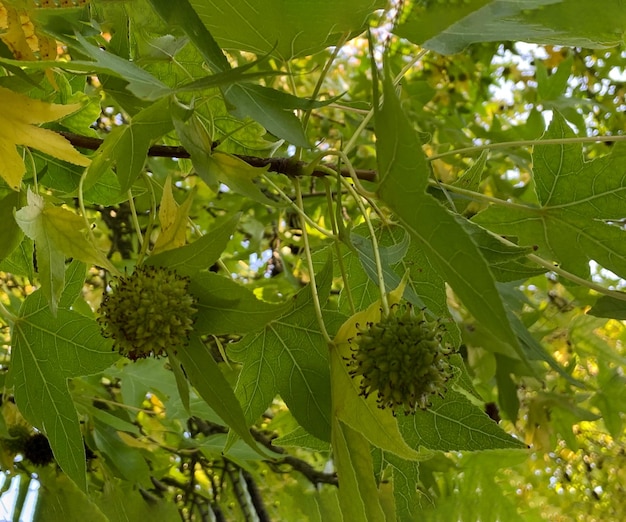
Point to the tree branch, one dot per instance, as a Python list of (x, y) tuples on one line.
[(286, 166), (314, 476), (208, 428)]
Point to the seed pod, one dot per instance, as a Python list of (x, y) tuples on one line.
[(37, 450), (402, 360), (147, 312)]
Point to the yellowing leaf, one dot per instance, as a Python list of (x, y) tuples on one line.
[(57, 233), (358, 494), (15, 38), (18, 115), (173, 219)]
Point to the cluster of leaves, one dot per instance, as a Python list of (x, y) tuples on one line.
[(303, 178)]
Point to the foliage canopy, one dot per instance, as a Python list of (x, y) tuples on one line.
[(306, 169)]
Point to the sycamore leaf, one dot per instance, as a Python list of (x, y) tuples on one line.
[(448, 27), (173, 219), (127, 145), (289, 357), (447, 246), (240, 177), (47, 351), (580, 205), (58, 233), (358, 495), (18, 115)]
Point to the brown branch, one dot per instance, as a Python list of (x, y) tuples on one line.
[(313, 475), (208, 428), (285, 166)]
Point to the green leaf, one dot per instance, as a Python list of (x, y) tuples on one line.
[(206, 377), (240, 177), (181, 14), (404, 177), (507, 262), (196, 140), (289, 357), (610, 307), (123, 501), (449, 28), (126, 460), (201, 254), (127, 146), (424, 285), (358, 495), (454, 424), (60, 500), (140, 82), (428, 25), (57, 233), (364, 248), (226, 307), (12, 234), (47, 351), (20, 261), (284, 28), (405, 478), (577, 203), (253, 101), (300, 438), (245, 100)]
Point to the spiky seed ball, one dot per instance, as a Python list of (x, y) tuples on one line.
[(402, 360), (37, 450), (147, 312)]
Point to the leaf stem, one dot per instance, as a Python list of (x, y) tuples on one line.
[(7, 315), (377, 260), (337, 242), (153, 211), (568, 275), (297, 209), (32, 162), (353, 175), (309, 259), (477, 195), (323, 74), (525, 143), (359, 130), (134, 218), (83, 211)]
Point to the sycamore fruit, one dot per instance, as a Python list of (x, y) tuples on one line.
[(148, 312), (402, 360), (37, 450)]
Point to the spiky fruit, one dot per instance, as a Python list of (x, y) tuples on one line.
[(37, 450), (147, 312), (402, 360)]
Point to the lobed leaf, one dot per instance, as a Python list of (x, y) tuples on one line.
[(47, 351), (579, 203), (449, 249)]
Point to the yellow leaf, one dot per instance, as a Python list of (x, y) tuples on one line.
[(15, 38), (18, 115), (173, 219)]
